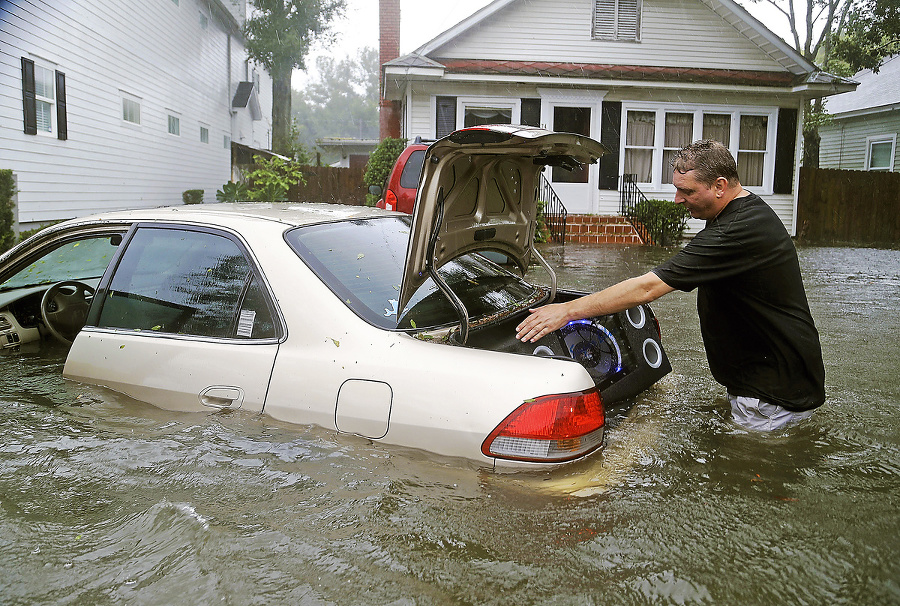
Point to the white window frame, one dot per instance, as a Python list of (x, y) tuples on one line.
[(875, 140), (171, 115), (204, 130), (698, 110), (512, 104), (621, 29), (129, 98), (49, 68)]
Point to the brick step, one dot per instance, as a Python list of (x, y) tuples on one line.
[(600, 229)]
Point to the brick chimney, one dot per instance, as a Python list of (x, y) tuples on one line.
[(389, 49)]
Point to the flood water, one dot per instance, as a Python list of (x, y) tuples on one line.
[(108, 501)]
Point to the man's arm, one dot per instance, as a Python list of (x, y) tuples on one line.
[(616, 298)]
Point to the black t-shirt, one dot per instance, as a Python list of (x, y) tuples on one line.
[(759, 336)]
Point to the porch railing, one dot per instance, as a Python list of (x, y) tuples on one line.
[(553, 211), (634, 206)]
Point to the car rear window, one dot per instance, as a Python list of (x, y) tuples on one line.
[(412, 170), (361, 261)]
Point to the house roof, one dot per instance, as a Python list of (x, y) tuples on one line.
[(876, 92), (797, 73), (728, 10)]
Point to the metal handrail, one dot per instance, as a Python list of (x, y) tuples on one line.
[(554, 212), (630, 196)]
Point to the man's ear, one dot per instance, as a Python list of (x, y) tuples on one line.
[(721, 186)]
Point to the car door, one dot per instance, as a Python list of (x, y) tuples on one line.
[(183, 321)]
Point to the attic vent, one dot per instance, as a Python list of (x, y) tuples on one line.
[(617, 20)]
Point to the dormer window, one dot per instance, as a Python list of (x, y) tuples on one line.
[(617, 20)]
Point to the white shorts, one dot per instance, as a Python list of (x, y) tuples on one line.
[(752, 413)]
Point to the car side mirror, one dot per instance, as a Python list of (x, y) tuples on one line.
[(375, 190)]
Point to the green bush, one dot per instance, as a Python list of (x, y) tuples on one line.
[(7, 218), (192, 196), (542, 230), (664, 220), (272, 178), (233, 192), (381, 160)]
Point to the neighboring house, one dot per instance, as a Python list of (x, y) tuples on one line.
[(353, 152), (645, 77), (107, 104), (865, 123)]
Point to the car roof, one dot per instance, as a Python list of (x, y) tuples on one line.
[(233, 214)]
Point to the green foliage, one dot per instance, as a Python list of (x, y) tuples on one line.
[(871, 33), (380, 163), (341, 100), (272, 178), (192, 196), (664, 220), (278, 35), (542, 230), (7, 219), (233, 192)]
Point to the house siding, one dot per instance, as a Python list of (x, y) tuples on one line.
[(843, 143), (154, 51), (673, 34)]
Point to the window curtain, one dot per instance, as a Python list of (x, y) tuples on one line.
[(476, 116), (717, 127), (679, 132), (640, 130), (752, 150)]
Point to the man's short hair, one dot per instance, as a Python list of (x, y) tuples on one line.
[(709, 159)]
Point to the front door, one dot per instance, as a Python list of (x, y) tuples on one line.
[(575, 188)]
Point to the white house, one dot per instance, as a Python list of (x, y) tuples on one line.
[(865, 124), (645, 77), (107, 104)]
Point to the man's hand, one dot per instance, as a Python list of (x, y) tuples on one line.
[(542, 322)]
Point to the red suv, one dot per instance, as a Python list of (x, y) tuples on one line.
[(403, 182)]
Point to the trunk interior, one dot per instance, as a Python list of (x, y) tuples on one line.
[(622, 352)]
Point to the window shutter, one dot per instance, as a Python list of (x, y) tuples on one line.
[(610, 123), (785, 148), (617, 20), (531, 112), (28, 99), (62, 128), (629, 20), (604, 19), (446, 116)]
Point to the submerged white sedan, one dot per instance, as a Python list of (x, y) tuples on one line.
[(399, 329)]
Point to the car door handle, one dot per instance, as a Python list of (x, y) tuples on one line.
[(222, 396)]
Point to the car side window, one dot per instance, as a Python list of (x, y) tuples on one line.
[(186, 282)]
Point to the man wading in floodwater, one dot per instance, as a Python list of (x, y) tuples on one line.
[(760, 339)]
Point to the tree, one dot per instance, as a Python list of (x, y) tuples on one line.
[(342, 101), (279, 35), (871, 35), (818, 29)]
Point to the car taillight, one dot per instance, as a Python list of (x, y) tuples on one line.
[(390, 200), (550, 428)]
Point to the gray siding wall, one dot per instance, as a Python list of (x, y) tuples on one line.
[(674, 33), (843, 142), (156, 51)]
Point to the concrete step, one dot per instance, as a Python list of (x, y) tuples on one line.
[(600, 229)]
